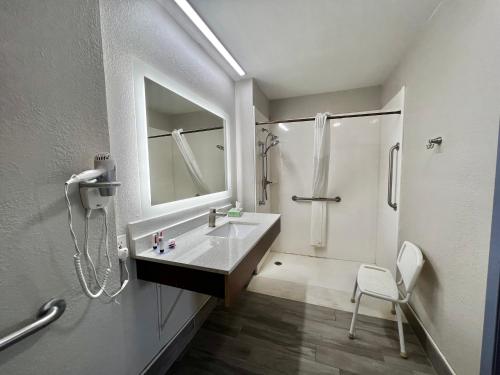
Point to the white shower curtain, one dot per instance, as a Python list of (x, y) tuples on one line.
[(321, 164), (190, 160)]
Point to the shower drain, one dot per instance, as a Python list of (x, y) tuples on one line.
[(278, 263)]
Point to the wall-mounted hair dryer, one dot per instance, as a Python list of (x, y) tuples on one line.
[(97, 187), (90, 174), (99, 184)]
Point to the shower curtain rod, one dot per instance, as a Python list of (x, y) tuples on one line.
[(186, 132), (331, 117)]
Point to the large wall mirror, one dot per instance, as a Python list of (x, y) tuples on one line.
[(186, 146), (182, 145)]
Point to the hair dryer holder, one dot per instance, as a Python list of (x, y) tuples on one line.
[(90, 194)]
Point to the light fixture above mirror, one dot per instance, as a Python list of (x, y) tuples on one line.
[(205, 30)]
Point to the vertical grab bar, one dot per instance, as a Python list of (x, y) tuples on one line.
[(390, 201)]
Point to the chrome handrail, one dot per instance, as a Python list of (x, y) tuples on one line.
[(390, 202), (336, 199), (104, 184), (48, 313)]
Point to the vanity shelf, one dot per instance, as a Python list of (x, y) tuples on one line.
[(217, 266)]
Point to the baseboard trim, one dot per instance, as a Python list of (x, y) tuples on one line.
[(438, 360), (175, 347)]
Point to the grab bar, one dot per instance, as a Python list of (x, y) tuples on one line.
[(48, 313), (296, 199), (390, 202), (99, 184)]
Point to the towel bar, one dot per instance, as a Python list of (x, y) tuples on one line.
[(296, 199)]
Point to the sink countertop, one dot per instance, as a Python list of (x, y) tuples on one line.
[(196, 249)]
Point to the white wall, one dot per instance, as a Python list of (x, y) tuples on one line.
[(143, 30), (245, 144), (357, 100), (354, 166), (452, 85)]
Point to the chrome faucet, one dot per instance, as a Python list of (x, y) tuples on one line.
[(212, 215)]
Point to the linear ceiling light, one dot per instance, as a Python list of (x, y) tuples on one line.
[(202, 26)]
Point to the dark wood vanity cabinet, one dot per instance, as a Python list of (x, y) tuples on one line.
[(217, 284)]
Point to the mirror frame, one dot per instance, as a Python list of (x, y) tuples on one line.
[(142, 71)]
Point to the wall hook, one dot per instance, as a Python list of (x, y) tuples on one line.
[(434, 141)]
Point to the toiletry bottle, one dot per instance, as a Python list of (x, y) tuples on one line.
[(155, 242), (171, 243), (161, 243)]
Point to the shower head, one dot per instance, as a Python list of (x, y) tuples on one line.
[(273, 143), (270, 135)]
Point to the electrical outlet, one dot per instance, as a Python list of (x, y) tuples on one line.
[(122, 253), (121, 241)]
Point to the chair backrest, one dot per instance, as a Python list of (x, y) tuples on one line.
[(410, 262)]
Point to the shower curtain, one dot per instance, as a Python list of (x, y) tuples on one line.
[(321, 163), (190, 161)]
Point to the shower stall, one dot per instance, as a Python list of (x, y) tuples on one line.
[(361, 211)]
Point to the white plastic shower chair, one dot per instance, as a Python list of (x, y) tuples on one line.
[(379, 283)]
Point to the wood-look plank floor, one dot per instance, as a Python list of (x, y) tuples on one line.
[(269, 335)]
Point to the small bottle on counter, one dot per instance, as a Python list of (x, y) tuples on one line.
[(171, 243), (161, 243), (155, 241)]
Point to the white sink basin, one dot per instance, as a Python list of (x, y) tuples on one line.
[(233, 230)]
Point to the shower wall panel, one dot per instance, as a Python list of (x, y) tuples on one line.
[(354, 174)]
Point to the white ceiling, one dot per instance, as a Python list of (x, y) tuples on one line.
[(301, 47)]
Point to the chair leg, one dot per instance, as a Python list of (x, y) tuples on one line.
[(393, 309), (354, 317), (399, 316), (354, 291)]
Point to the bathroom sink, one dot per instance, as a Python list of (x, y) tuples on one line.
[(233, 230)]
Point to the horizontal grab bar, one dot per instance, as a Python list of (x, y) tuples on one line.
[(296, 199), (48, 313), (99, 184)]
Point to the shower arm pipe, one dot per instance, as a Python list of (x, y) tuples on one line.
[(331, 117)]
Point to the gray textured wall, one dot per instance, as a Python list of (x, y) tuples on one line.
[(453, 91), (53, 121)]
